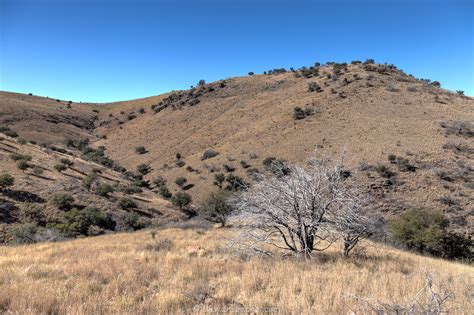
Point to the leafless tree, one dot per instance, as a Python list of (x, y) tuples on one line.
[(305, 208)]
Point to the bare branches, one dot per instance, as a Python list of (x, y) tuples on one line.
[(305, 206)]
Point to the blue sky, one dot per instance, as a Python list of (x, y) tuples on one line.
[(108, 50)]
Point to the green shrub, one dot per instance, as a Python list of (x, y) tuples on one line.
[(181, 199), (24, 234), (62, 201), (22, 141), (127, 203), (67, 162), (164, 192), (276, 166), (22, 165), (79, 222), (20, 157), (314, 87), (31, 213), (159, 181), (132, 221), (89, 180), (104, 190), (235, 183), (38, 170), (209, 153), (181, 181), (219, 179), (425, 231), (140, 150), (132, 189), (60, 167), (6, 180), (143, 169), (216, 208)]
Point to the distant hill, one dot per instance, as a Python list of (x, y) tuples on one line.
[(412, 140)]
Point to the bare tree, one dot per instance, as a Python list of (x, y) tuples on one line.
[(305, 208)]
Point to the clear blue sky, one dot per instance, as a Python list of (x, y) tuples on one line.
[(108, 50)]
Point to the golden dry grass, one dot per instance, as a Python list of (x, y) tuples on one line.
[(134, 273)]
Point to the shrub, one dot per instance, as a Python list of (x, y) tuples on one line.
[(104, 190), (300, 113), (383, 171), (275, 166), (460, 128), (143, 169), (216, 208), (180, 163), (244, 164), (425, 231), (235, 183), (164, 192), (436, 84), (132, 189), (67, 162), (180, 181), (159, 181), (79, 222), (37, 170), (314, 87), (22, 141), (62, 201), (209, 153), (219, 179), (89, 180), (20, 157), (228, 168), (459, 92), (25, 233), (134, 222), (127, 203), (181, 199), (6, 180), (140, 150), (31, 213), (251, 73), (60, 167), (22, 165)]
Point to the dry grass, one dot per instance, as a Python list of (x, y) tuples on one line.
[(181, 269)]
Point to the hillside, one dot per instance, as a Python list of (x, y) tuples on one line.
[(411, 139), (189, 269)]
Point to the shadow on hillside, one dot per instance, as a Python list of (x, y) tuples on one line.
[(69, 175), (23, 196), (7, 209)]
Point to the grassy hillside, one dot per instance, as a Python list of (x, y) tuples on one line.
[(190, 269)]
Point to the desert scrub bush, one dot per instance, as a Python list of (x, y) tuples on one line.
[(275, 166), (425, 231), (143, 169), (132, 189), (228, 168), (127, 203), (38, 170), (459, 147), (21, 141), (209, 153), (300, 113), (402, 163), (132, 222), (459, 128), (163, 245), (164, 192), (22, 165), (8, 132), (314, 87), (20, 157), (89, 180), (181, 181), (244, 164), (24, 233), (60, 167), (383, 171), (140, 150), (31, 213), (104, 190), (219, 179), (216, 208), (88, 221), (181, 200), (67, 162), (6, 181), (460, 93), (235, 183), (62, 201)]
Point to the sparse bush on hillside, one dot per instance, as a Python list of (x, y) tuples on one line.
[(19, 157), (8, 132), (127, 203), (251, 73), (425, 231), (88, 221), (140, 150), (38, 170), (22, 165), (228, 168), (6, 181), (67, 162), (201, 82), (300, 113), (436, 84), (24, 233), (61, 201), (314, 87), (219, 179), (132, 221), (143, 169), (460, 128), (132, 189), (89, 180), (369, 61), (181, 181), (244, 164), (460, 93), (181, 200), (209, 153), (383, 171), (21, 141), (164, 192), (31, 213), (104, 190), (402, 163), (275, 166), (235, 183), (459, 147), (60, 167), (216, 208)]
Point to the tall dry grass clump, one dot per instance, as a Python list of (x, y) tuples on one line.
[(184, 270)]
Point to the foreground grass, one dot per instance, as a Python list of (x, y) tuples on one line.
[(131, 273)]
